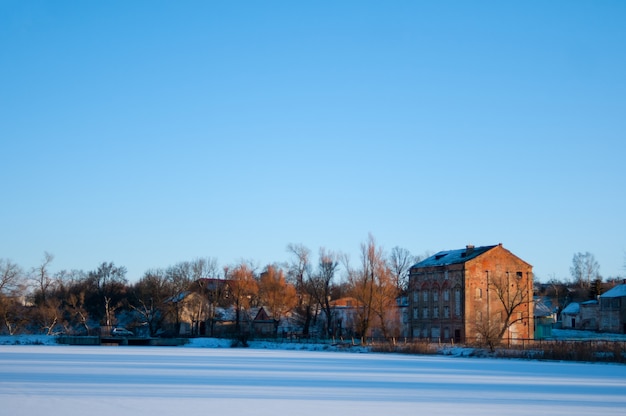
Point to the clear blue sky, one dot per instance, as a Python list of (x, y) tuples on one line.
[(152, 132)]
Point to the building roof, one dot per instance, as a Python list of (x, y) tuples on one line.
[(541, 309), (571, 309), (618, 291), (445, 258)]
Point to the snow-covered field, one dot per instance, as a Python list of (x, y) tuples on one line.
[(94, 381)]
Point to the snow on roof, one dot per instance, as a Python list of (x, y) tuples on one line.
[(571, 309), (444, 258), (178, 297), (617, 292), (541, 309)]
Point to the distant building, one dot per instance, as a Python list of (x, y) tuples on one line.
[(345, 315), (570, 316), (589, 315), (471, 294), (613, 310)]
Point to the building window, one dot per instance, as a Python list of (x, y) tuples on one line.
[(416, 313), (425, 313), (416, 296), (425, 296), (446, 295), (435, 333), (446, 311), (436, 312), (457, 302), (479, 293), (435, 296)]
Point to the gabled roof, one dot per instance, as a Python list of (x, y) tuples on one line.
[(618, 291), (541, 309), (571, 309), (445, 258), (179, 297)]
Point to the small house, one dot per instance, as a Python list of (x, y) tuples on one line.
[(613, 310), (544, 319), (570, 316)]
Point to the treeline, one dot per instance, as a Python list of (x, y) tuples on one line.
[(77, 301), (304, 289)]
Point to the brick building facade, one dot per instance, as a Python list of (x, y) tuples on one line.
[(471, 294)]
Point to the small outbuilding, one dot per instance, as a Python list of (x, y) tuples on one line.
[(544, 319), (570, 316)]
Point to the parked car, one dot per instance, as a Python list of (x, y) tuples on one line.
[(121, 332)]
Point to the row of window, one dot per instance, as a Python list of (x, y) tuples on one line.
[(426, 312), (426, 294), (437, 276), (434, 333), (430, 299)]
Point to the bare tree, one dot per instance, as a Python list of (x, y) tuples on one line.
[(298, 271), (12, 288), (149, 296), (75, 305), (368, 285), (244, 288), (10, 277), (320, 285), (14, 314), (178, 279), (204, 272), (585, 269), (48, 311), (384, 301), (509, 302), (276, 294), (559, 291), (42, 278), (108, 283), (400, 262)]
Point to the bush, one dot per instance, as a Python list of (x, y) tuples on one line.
[(414, 347)]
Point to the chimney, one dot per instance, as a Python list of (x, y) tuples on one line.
[(469, 249)]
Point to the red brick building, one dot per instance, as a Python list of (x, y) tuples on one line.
[(475, 294)]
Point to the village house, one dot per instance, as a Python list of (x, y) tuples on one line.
[(344, 316), (570, 316), (581, 315), (613, 310), (471, 294)]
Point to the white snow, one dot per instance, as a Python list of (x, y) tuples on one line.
[(618, 291), (571, 309), (95, 381)]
